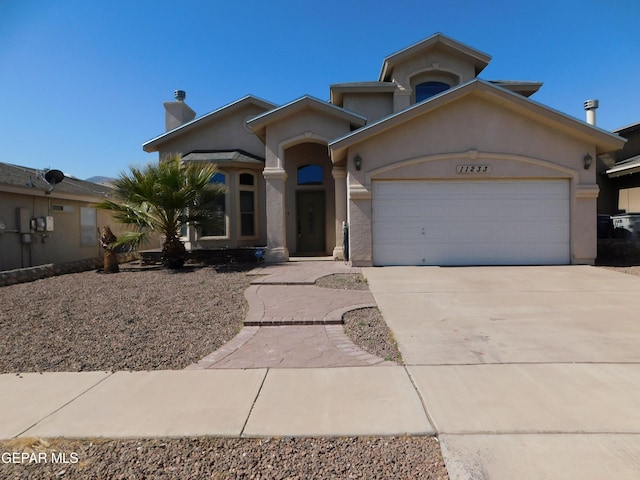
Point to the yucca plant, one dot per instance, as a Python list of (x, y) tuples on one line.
[(163, 197)]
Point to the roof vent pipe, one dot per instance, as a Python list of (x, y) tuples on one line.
[(590, 106), (180, 95)]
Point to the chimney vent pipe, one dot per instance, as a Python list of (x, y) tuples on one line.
[(180, 95), (590, 106)]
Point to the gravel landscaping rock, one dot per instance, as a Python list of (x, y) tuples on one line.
[(366, 328), (139, 319), (215, 458), (147, 318), (344, 281)]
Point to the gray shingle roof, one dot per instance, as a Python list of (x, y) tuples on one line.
[(33, 179)]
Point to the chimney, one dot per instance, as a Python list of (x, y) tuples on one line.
[(590, 106), (177, 113)]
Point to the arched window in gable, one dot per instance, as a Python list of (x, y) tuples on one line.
[(426, 90)]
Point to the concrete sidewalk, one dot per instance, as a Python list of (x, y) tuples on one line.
[(357, 401)]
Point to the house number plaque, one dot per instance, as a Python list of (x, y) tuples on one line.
[(473, 168)]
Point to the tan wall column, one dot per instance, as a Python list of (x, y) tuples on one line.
[(584, 235), (276, 227), (401, 100), (360, 226), (340, 180)]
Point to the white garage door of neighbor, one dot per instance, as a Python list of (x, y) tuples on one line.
[(471, 222)]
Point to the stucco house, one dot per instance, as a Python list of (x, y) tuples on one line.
[(45, 222), (620, 178), (427, 165)]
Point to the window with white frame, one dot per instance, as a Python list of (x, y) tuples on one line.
[(217, 225), (247, 193)]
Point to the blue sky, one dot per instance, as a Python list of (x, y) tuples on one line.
[(83, 81)]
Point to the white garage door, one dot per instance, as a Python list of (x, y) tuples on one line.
[(471, 222)]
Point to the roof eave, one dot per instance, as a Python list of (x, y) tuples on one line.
[(605, 141), (481, 59), (259, 123), (621, 172), (627, 128), (337, 91), (151, 145)]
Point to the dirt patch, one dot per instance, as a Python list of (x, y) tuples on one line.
[(218, 458)]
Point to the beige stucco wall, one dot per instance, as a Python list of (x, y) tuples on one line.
[(63, 244), (473, 130), (372, 106), (227, 132)]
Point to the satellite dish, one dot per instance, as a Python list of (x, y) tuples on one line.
[(54, 177)]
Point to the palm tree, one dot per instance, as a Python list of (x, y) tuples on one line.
[(162, 198)]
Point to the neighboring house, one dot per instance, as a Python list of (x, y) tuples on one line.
[(428, 165), (43, 223), (620, 181)]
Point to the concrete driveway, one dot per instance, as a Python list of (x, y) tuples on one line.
[(525, 372)]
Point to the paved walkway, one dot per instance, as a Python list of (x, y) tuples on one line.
[(291, 323)]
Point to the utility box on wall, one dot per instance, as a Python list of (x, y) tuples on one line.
[(24, 220), (42, 224)]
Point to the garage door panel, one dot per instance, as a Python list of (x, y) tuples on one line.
[(471, 222)]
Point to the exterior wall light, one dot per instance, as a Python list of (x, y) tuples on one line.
[(588, 160), (357, 161)]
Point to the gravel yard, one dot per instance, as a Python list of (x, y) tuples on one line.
[(138, 319), (397, 458), (143, 318), (149, 318)]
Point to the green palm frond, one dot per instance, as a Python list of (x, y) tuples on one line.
[(162, 197)]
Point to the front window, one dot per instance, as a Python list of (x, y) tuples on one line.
[(429, 89), (217, 226), (247, 189)]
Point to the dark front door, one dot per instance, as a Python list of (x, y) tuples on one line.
[(310, 222)]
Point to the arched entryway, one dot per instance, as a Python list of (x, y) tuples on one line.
[(310, 199)]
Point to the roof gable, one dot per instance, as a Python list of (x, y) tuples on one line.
[(152, 145), (259, 123), (605, 141), (478, 58)]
